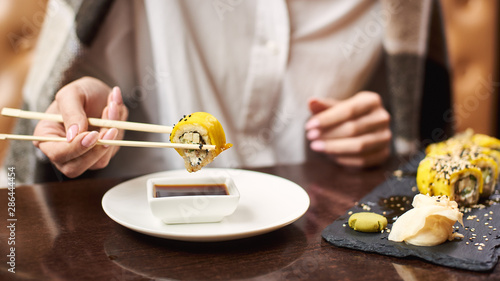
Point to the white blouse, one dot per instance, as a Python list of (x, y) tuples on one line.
[(252, 64)]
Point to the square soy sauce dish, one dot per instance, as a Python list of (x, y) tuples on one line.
[(198, 199)]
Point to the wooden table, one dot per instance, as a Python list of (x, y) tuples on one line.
[(62, 233)]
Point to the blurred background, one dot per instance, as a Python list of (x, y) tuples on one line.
[(20, 24), (472, 33)]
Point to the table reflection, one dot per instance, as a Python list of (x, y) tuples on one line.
[(204, 261)]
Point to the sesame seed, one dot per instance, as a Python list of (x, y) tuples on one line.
[(349, 213)]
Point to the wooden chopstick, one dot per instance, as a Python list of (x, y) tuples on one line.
[(134, 126), (111, 142)]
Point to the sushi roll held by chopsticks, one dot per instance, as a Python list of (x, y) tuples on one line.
[(199, 128), (188, 137)]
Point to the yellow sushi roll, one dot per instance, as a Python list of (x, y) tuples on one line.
[(487, 160), (437, 148), (486, 141), (458, 179), (495, 154), (199, 128), (459, 140), (489, 170)]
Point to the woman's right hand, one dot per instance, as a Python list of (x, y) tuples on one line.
[(77, 101)]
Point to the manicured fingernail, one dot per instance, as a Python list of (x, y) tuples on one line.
[(318, 146), (113, 111), (116, 96), (312, 123), (110, 135), (90, 139), (72, 132), (313, 134)]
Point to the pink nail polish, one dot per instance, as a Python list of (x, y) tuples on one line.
[(116, 96), (312, 123), (90, 139), (72, 132), (313, 134), (318, 146), (110, 135), (113, 111)]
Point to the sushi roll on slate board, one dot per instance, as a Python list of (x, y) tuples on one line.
[(199, 128), (458, 179), (485, 159), (489, 168), (479, 150)]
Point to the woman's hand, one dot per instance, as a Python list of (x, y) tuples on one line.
[(353, 132), (77, 101)]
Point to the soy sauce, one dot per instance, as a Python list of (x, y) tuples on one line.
[(190, 190)]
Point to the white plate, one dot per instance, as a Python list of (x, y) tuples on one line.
[(267, 203)]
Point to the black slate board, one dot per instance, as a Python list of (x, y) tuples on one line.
[(457, 253)]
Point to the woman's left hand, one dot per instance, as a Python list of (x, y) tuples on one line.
[(354, 132)]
